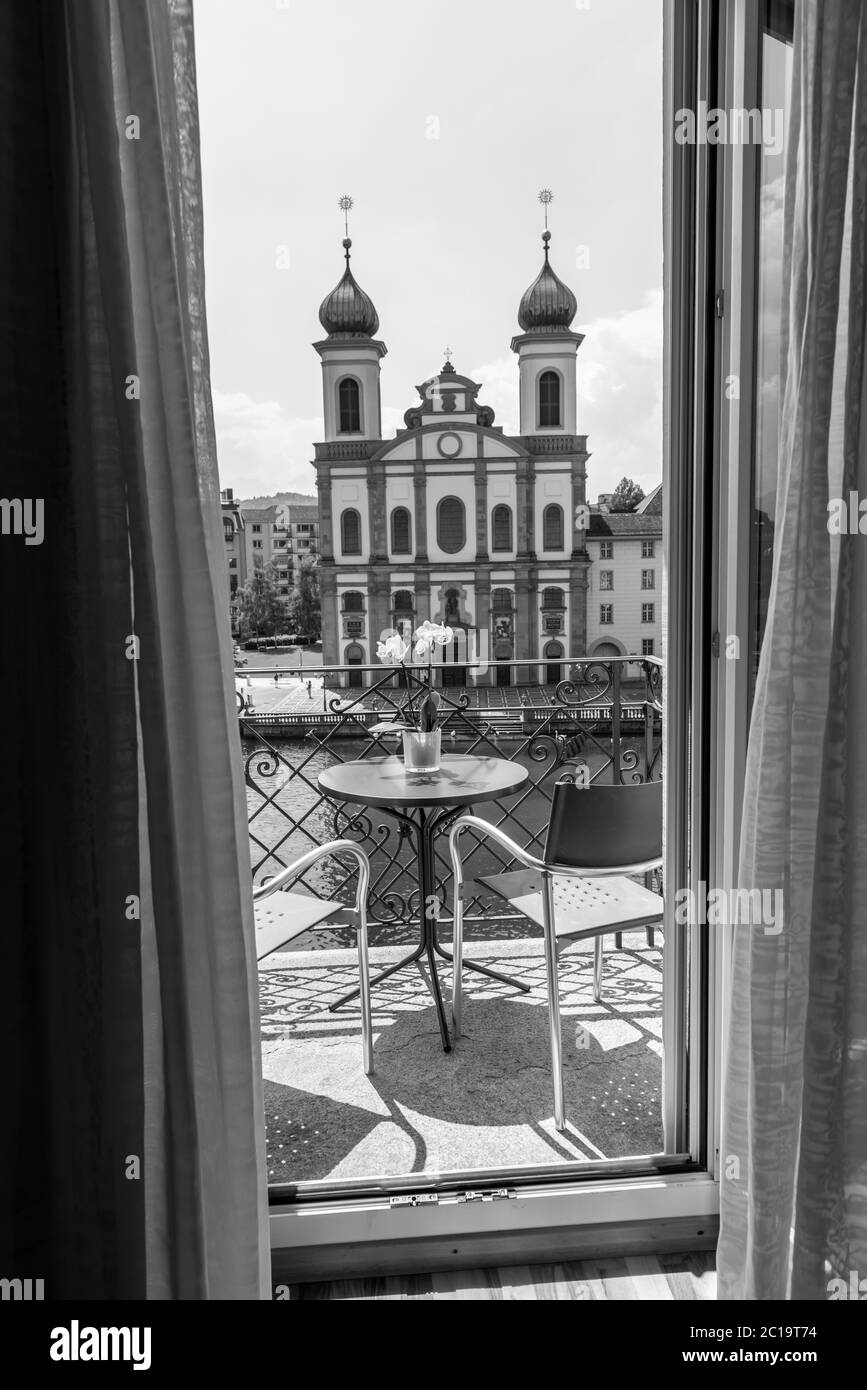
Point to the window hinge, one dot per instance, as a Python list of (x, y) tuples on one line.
[(715, 644), (499, 1194), (721, 304), (415, 1199)]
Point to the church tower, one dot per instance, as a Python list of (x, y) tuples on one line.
[(351, 357), (547, 352)]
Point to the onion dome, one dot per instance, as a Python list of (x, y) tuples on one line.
[(347, 310), (548, 306)]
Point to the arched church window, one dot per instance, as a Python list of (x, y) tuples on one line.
[(401, 532), (353, 602), (549, 400), (451, 525), (501, 528), (350, 532), (501, 601), (552, 527), (349, 406)]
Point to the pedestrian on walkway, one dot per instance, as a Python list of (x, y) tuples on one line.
[(309, 690)]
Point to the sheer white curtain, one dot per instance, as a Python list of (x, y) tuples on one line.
[(136, 281), (794, 1152)]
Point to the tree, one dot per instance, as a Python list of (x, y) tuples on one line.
[(305, 610), (626, 496), (261, 610)]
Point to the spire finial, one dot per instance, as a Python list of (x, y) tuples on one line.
[(546, 197), (345, 204)]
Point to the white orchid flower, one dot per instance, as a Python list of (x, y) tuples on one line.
[(392, 651)]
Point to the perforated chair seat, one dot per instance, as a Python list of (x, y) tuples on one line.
[(583, 907), (284, 916)]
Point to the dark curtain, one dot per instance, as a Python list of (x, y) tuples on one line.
[(70, 991)]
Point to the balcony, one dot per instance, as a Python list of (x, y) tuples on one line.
[(486, 1106)]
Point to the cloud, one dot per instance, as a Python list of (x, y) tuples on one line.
[(260, 449), (619, 395)]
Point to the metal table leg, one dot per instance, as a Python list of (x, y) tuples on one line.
[(423, 829)]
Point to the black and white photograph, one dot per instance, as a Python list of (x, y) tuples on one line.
[(433, 556)]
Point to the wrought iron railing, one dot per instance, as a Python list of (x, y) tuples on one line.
[(602, 724)]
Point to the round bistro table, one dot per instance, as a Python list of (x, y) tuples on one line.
[(425, 803)]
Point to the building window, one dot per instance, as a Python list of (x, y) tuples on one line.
[(501, 528), (606, 579), (647, 646), (233, 564), (349, 406), (256, 528), (401, 532), (647, 550), (648, 580), (451, 525), (606, 550), (647, 612), (350, 532), (403, 602), (233, 583), (228, 532), (606, 614), (257, 545), (353, 602), (549, 400), (553, 598), (552, 527)]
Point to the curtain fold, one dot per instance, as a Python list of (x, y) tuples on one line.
[(794, 1152), (144, 1012)]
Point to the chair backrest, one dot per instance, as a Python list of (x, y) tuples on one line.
[(601, 827)]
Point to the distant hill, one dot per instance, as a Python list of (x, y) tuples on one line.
[(278, 499)]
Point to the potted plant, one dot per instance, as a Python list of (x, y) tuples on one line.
[(422, 737)]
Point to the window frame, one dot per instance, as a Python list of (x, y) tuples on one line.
[(509, 547), (453, 550), (394, 514), (634, 1210), (346, 380), (344, 550), (557, 377), (549, 508)]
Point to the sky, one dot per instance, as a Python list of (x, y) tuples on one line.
[(443, 123)]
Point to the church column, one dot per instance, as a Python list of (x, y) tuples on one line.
[(579, 497), (378, 611), (331, 651), (481, 510), (577, 636), (526, 623), (484, 642), (376, 513), (526, 537), (323, 488), (420, 493)]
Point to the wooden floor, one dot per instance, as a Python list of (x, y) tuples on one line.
[(651, 1277)]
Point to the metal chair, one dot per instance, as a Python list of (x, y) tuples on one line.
[(282, 917), (579, 889)]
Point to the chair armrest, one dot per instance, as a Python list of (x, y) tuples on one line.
[(308, 860), (484, 829)]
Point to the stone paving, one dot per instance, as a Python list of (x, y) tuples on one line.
[(486, 1105)]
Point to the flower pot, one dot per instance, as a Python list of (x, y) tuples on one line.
[(421, 752)]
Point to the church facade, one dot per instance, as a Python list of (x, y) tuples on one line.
[(452, 520)]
